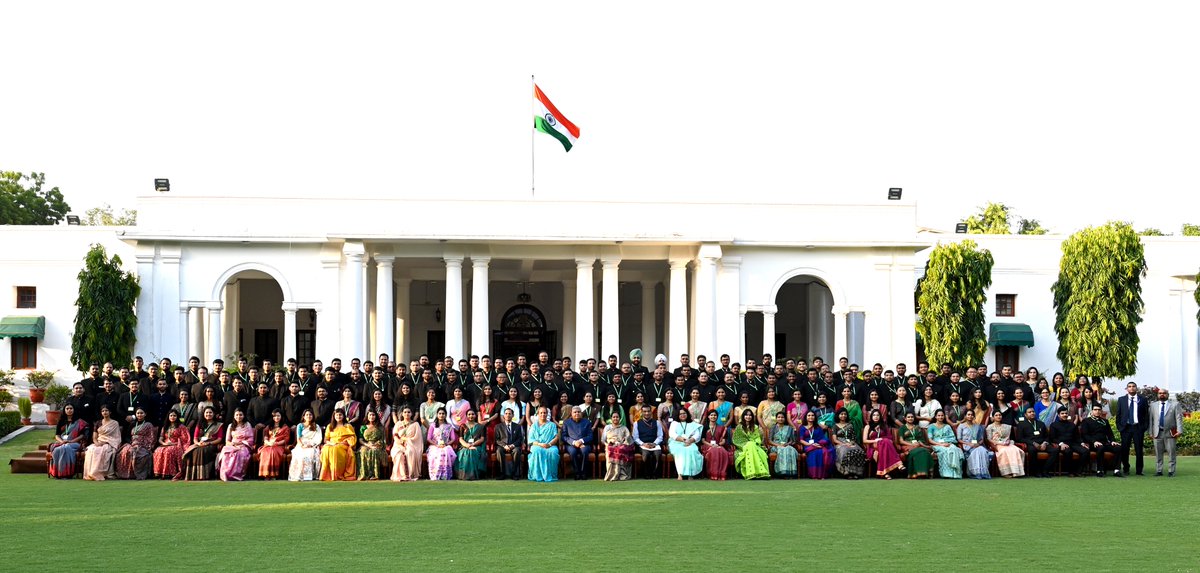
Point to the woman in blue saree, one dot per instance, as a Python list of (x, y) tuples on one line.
[(945, 447), (722, 408), (543, 447), (970, 436), (818, 454)]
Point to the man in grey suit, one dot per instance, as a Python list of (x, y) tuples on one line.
[(1166, 424)]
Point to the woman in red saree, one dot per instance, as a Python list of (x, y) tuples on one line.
[(70, 437), (274, 448), (135, 459), (173, 439), (716, 447), (488, 416)]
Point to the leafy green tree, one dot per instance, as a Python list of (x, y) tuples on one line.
[(104, 216), (992, 219), (950, 301), (1152, 232), (1031, 227), (1190, 230), (105, 323), (1098, 301), (22, 201)]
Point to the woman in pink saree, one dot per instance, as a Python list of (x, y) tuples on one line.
[(239, 442)]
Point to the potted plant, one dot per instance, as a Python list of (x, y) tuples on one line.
[(39, 380), (6, 377), (6, 399), (25, 407), (56, 397)]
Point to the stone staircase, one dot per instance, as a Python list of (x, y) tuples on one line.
[(30, 462)]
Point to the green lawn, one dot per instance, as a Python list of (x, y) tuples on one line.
[(1059, 524)]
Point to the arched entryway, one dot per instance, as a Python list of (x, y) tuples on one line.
[(804, 318), (253, 320), (523, 330)]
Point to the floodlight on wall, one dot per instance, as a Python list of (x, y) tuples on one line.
[(894, 193), (72, 219), (437, 314), (960, 228), (162, 185)]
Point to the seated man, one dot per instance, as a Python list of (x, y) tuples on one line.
[(1032, 433), (510, 440), (578, 437), (1064, 440), (647, 436), (1098, 438)]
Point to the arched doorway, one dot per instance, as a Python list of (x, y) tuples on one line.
[(523, 330), (804, 319)]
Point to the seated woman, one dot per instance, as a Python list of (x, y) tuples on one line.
[(135, 460), (914, 446), (306, 454), (372, 450), (1009, 458), (353, 408), (441, 438), (877, 436), (715, 446), (408, 443), (239, 444), (172, 440), (618, 450), (766, 412), (337, 453), (683, 436), (851, 458), (274, 447), (751, 459), (818, 451), (98, 459), (945, 446), (70, 436), (543, 448), (975, 450), (207, 439), (782, 443), (472, 449)]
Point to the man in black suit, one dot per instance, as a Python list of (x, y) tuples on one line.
[(1064, 440), (1032, 433), (1133, 418), (1098, 438)]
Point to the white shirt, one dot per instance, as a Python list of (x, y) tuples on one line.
[(1133, 405)]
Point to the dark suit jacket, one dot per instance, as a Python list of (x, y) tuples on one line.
[(1143, 414)]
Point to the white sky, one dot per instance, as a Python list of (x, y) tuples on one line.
[(1071, 112)]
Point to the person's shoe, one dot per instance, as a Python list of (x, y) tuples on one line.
[(1171, 474), (1099, 474), (1139, 473), (1157, 474), (1117, 473)]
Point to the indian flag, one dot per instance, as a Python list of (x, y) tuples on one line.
[(547, 119)]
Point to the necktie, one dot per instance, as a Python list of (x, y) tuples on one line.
[(1162, 416)]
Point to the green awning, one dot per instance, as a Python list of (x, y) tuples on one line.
[(1010, 334), (23, 327)]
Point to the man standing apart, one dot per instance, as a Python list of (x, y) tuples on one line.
[(1166, 424), (1132, 420)]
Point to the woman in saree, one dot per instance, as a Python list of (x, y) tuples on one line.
[(513, 404), (487, 409), (135, 460), (873, 403), (591, 412), (818, 451), (209, 400), (877, 437), (683, 436), (1046, 408), (926, 406), (635, 411), (744, 405), (372, 450), (1017, 405), (723, 409), (207, 438), (956, 411), (1001, 405), (899, 407), (695, 407), (239, 443), (98, 458), (543, 448), (715, 446), (851, 458), (914, 447), (1009, 458), (408, 443), (618, 450), (978, 404), (174, 438), (457, 408), (306, 454), (441, 438), (611, 407), (353, 408), (853, 411), (796, 410), (186, 410), (337, 453), (1065, 402), (562, 409), (782, 443), (383, 412), (70, 436), (750, 460), (975, 450), (668, 411), (824, 413), (429, 407), (472, 450), (531, 407), (274, 447), (945, 446), (405, 397), (768, 411)]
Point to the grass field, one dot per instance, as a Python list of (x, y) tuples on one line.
[(999, 525)]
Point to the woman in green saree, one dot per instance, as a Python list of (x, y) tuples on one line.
[(783, 445), (853, 410), (750, 459), (371, 452), (945, 445), (914, 447), (472, 454)]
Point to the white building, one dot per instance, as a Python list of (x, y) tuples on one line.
[(346, 277)]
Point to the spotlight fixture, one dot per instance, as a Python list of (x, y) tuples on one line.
[(72, 219), (894, 193), (960, 228), (162, 185)]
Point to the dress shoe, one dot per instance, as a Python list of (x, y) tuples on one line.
[(1171, 474), (1157, 474), (1139, 473), (1099, 474), (1117, 473)]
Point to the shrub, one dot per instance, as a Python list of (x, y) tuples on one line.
[(40, 378), (6, 399), (9, 422), (6, 377), (56, 396)]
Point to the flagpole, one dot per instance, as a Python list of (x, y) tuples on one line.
[(532, 153)]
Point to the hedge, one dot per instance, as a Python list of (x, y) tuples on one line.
[(9, 422)]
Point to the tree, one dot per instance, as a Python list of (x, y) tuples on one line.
[(1152, 232), (950, 301), (1031, 227), (105, 323), (1098, 301), (22, 201), (104, 216), (992, 219), (1190, 230)]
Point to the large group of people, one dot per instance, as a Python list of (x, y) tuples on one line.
[(539, 417)]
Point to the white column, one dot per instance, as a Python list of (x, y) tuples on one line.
[(352, 303), (454, 307), (403, 321), (214, 332), (769, 329), (741, 347), (729, 300), (839, 335), (649, 328), (172, 336), (817, 301), (289, 331), (182, 335), (585, 331), (385, 312), (904, 321), (610, 324), (706, 300), (677, 302), (147, 340), (233, 297), (568, 328), (195, 321), (481, 332), (328, 324), (368, 314)]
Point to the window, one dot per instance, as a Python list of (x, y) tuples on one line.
[(1008, 355), (1006, 305), (24, 353), (26, 297)]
